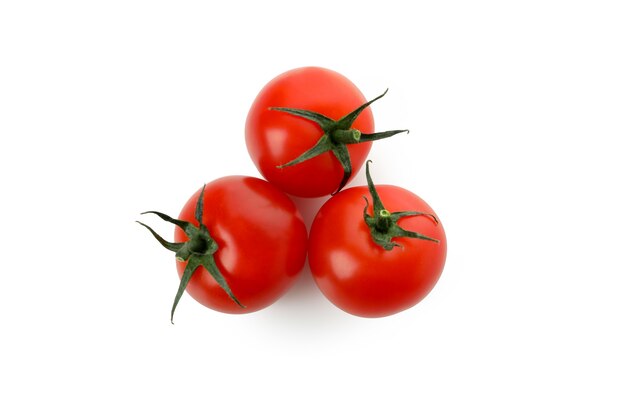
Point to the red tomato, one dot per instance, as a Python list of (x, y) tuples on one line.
[(261, 244), (275, 138), (358, 275)]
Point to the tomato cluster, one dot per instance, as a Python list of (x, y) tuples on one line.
[(240, 242)]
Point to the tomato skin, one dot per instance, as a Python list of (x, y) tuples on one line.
[(262, 243), (274, 138), (361, 277)]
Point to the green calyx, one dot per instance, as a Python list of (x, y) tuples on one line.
[(198, 251), (383, 224), (338, 134)]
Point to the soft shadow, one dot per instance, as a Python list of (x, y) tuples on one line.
[(309, 207), (304, 312)]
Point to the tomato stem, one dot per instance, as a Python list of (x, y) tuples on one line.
[(347, 136), (383, 224), (337, 134), (384, 221), (197, 251)]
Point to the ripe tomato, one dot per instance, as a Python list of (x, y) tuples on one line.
[(255, 237), (360, 276), (309, 130)]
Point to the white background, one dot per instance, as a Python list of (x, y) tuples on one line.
[(517, 119)]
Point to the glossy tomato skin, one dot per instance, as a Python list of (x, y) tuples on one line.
[(274, 138), (359, 276), (262, 243)]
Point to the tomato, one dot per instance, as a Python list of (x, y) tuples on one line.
[(309, 130), (371, 279), (247, 250)]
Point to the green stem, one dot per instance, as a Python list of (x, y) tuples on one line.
[(347, 136), (197, 251), (383, 224), (383, 221), (336, 135)]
